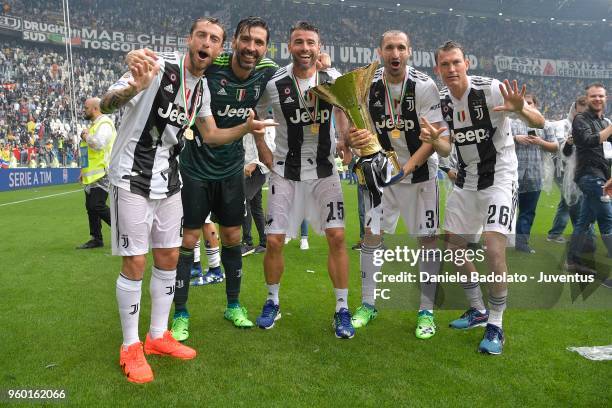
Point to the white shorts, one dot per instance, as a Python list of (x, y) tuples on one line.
[(139, 223), (416, 203), (319, 201), (469, 213)]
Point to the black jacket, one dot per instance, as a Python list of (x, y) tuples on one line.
[(589, 151)]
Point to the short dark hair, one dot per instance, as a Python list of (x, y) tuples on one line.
[(249, 22), (305, 26), (581, 100), (595, 85), (210, 20), (392, 32), (447, 46), (533, 98)]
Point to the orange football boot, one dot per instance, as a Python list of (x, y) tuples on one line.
[(168, 346), (134, 364)]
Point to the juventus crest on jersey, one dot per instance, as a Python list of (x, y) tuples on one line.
[(482, 137), (300, 153), (419, 98), (144, 156)]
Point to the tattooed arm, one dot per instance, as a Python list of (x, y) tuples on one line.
[(141, 76)]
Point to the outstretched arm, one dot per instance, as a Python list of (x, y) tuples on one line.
[(213, 135), (140, 77), (432, 134), (514, 101)]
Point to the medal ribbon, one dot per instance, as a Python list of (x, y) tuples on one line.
[(183, 74), (303, 101), (395, 117)]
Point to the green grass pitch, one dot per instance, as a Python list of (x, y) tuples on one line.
[(60, 330)]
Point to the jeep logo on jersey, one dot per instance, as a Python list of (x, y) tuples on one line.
[(402, 124), (302, 117), (172, 113), (230, 112), (469, 136)]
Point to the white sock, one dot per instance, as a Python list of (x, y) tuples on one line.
[(341, 298), (474, 295), (214, 257), (196, 252), (368, 285), (128, 299), (497, 305), (428, 289), (162, 294), (273, 292)]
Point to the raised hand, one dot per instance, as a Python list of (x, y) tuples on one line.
[(430, 134), (514, 100), (142, 75), (143, 56)]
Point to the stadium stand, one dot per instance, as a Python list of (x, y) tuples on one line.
[(35, 117)]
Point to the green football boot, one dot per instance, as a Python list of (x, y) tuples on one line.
[(363, 315), (426, 327), (238, 316), (180, 327)]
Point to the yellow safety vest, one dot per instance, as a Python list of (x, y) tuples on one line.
[(95, 162)]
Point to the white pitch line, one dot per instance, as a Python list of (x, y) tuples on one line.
[(40, 198)]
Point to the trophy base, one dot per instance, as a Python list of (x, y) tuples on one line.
[(359, 170)]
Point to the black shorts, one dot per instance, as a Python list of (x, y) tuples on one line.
[(224, 198)]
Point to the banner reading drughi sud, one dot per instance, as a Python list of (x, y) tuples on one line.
[(554, 68), (113, 40)]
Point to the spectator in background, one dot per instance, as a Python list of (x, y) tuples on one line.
[(255, 174), (566, 150), (592, 134), (529, 145), (96, 146)]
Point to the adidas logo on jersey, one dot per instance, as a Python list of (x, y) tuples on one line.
[(289, 100), (168, 88), (377, 104), (222, 92)]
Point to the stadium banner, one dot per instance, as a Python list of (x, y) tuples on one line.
[(16, 179), (360, 55), (554, 68), (97, 39)]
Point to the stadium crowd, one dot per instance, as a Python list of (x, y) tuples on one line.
[(343, 24), (35, 119)]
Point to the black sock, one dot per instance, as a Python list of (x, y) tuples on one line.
[(231, 258), (183, 272)]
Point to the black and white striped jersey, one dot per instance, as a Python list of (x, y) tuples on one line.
[(300, 154), (150, 137), (482, 137), (421, 99)]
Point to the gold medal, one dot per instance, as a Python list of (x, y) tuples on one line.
[(395, 133), (188, 134), (314, 128)]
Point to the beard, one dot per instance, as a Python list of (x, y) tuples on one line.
[(305, 66), (248, 65)]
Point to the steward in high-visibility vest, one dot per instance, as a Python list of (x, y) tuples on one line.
[(95, 151), (94, 162)]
